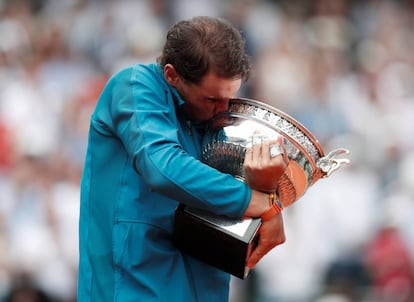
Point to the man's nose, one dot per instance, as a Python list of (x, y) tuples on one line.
[(222, 105)]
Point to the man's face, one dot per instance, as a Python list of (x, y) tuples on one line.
[(206, 99)]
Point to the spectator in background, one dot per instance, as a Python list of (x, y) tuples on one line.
[(6, 147), (389, 263)]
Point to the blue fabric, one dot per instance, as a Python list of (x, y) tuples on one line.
[(142, 161)]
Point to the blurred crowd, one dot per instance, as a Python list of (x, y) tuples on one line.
[(344, 69)]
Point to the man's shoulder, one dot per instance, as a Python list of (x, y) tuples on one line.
[(143, 70), (147, 74), (137, 70)]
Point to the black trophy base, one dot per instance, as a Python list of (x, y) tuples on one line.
[(217, 240)]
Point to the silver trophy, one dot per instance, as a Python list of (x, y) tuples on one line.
[(224, 242), (230, 133)]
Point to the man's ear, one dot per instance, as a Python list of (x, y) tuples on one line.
[(171, 75)]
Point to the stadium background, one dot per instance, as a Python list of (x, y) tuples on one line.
[(345, 69)]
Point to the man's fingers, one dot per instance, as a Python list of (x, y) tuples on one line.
[(255, 257)]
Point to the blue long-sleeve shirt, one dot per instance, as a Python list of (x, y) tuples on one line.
[(142, 161)]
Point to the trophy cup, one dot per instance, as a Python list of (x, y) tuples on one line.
[(224, 242)]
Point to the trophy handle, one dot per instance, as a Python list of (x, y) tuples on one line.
[(330, 163)]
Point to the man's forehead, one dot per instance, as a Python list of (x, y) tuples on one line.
[(216, 86)]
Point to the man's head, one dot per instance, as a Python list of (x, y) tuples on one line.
[(202, 44), (204, 58)]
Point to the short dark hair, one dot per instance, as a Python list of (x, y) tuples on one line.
[(200, 44)]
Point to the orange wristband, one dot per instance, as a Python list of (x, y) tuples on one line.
[(275, 208)]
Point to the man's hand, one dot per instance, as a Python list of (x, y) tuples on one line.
[(263, 166), (271, 234), (263, 169)]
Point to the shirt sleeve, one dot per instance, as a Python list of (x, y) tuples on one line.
[(142, 115)]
